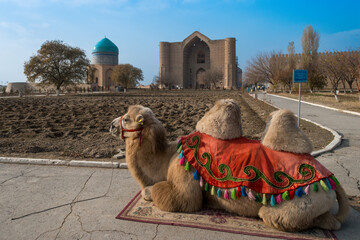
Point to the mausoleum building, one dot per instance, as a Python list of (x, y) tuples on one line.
[(105, 55), (186, 64)]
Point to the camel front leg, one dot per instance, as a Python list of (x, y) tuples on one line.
[(180, 193)]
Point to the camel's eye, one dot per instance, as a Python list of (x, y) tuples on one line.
[(126, 120)]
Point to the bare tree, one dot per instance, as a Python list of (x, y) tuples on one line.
[(331, 69), (213, 77), (278, 67), (351, 61), (291, 64), (259, 69), (156, 80), (310, 45)]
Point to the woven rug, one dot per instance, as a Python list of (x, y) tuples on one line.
[(140, 210)]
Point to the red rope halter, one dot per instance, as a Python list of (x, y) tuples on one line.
[(130, 130)]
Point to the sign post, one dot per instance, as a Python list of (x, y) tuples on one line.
[(300, 76)]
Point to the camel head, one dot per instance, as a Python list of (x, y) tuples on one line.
[(140, 122), (131, 123)]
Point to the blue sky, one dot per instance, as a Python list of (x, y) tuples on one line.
[(137, 27)]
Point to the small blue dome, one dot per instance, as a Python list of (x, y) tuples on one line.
[(105, 46)]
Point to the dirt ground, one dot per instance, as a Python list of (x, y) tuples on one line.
[(77, 126)]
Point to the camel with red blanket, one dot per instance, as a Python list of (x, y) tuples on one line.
[(276, 179)]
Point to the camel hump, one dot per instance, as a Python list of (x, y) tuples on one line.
[(283, 134)]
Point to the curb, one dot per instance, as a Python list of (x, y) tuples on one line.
[(332, 145), (57, 162), (317, 105)]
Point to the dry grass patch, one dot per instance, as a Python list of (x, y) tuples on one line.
[(348, 101)]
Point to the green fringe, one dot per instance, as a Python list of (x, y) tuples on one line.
[(233, 194), (285, 195), (316, 187), (187, 166), (179, 148), (212, 192), (324, 186), (206, 187), (258, 198), (335, 180), (264, 199)]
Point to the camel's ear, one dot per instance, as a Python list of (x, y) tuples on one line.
[(140, 119)]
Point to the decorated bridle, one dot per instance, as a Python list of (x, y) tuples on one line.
[(131, 130)]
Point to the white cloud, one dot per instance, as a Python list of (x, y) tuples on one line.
[(14, 27), (341, 40)]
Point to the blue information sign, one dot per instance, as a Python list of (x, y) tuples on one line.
[(300, 76)]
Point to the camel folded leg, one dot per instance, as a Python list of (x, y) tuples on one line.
[(180, 193)]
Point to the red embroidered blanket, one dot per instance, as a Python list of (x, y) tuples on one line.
[(244, 162)]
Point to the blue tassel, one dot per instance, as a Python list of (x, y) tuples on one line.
[(181, 154), (243, 191), (219, 192), (299, 192), (272, 200), (328, 183), (196, 175)]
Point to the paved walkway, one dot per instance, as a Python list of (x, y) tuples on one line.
[(344, 161), (59, 202)]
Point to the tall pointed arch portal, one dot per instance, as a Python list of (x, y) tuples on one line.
[(196, 60)]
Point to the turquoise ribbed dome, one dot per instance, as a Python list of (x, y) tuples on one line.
[(105, 46)]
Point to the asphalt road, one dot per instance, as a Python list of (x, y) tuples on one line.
[(58, 202), (344, 161)]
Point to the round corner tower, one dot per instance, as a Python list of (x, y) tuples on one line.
[(230, 67), (164, 61)]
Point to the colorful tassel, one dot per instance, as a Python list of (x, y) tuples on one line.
[(218, 193), (181, 154), (258, 198), (196, 175), (324, 186), (307, 190), (233, 194), (182, 161), (316, 187), (212, 192), (291, 194), (187, 166), (238, 192), (328, 184), (251, 195), (299, 192), (335, 180), (272, 200), (285, 195), (243, 191), (226, 194), (201, 181), (279, 199), (332, 183), (179, 148), (206, 187), (264, 199)]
